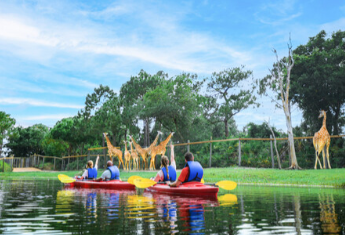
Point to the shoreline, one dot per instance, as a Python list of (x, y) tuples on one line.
[(332, 178)]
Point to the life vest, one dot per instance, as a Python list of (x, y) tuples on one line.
[(115, 173), (196, 171), (172, 173), (196, 216), (91, 173)]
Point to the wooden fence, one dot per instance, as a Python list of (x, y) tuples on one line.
[(35, 160)]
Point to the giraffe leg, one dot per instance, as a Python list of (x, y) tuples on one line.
[(316, 158), (323, 158), (329, 164)]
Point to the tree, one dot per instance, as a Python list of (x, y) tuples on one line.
[(6, 127), (63, 131), (175, 104), (284, 86), (53, 147), (132, 93), (318, 80), (27, 141), (224, 85)]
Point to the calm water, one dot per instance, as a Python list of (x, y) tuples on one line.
[(45, 207)]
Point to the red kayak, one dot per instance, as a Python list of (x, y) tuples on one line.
[(190, 188), (111, 184)]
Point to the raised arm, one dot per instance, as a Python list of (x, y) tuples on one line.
[(96, 164), (172, 156)]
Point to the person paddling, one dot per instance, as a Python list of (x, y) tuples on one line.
[(167, 173), (192, 171), (90, 172), (111, 173)]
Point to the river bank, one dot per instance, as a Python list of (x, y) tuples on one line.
[(253, 176)]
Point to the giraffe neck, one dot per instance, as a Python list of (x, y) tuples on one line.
[(125, 146), (137, 146), (131, 147), (108, 142), (165, 142), (324, 120), (155, 141)]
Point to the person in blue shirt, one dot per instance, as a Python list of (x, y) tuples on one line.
[(167, 173), (90, 171)]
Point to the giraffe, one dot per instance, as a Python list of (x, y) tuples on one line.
[(112, 151), (135, 157), (127, 157), (322, 139), (159, 149), (143, 152)]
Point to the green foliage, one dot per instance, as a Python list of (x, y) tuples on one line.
[(54, 147), (7, 167), (318, 81), (27, 141), (228, 86), (6, 127)]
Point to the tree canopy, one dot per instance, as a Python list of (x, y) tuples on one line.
[(318, 80)]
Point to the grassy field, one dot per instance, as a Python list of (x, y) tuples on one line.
[(331, 178)]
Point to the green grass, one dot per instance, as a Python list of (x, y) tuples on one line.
[(333, 177), (7, 167)]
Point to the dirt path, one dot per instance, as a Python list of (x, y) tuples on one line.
[(26, 169)]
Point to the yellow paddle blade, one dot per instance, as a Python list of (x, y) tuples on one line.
[(65, 179), (202, 181), (227, 185), (144, 183), (132, 178), (227, 200)]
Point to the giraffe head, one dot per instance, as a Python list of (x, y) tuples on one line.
[(322, 113), (160, 133), (105, 134)]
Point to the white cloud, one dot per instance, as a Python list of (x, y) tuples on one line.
[(169, 51), (333, 26), (34, 102)]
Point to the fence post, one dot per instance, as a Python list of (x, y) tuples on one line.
[(272, 151), (210, 152), (12, 164), (3, 164), (239, 151), (77, 163), (188, 147), (43, 163), (54, 164)]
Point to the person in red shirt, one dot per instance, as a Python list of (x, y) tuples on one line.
[(192, 171)]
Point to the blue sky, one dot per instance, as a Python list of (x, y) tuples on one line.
[(53, 53)]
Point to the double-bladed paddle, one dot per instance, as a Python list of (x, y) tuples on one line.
[(65, 179), (145, 183)]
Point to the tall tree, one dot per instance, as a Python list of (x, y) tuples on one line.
[(228, 86), (282, 75), (132, 93), (6, 127), (175, 104), (318, 80)]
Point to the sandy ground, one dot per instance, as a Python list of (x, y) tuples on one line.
[(26, 169)]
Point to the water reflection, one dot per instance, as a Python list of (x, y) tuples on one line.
[(328, 216), (48, 208)]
